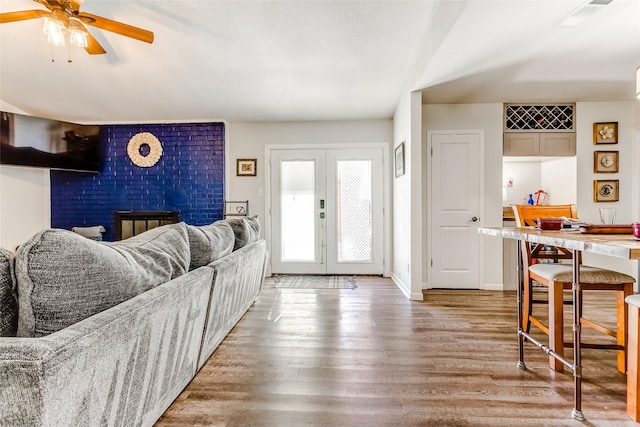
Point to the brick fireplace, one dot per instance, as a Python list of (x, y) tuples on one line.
[(188, 178)]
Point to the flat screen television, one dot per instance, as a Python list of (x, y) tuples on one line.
[(45, 143)]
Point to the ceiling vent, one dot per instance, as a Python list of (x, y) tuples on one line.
[(584, 12)]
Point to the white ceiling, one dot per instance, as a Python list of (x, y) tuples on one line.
[(317, 60)]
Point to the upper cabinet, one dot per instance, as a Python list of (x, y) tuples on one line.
[(540, 144), (539, 130)]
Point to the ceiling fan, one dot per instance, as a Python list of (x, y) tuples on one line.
[(65, 16)]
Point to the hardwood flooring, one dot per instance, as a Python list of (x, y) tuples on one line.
[(370, 357)]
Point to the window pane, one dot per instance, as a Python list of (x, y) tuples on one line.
[(297, 207), (354, 216)]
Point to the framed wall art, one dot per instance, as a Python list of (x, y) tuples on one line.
[(605, 133), (399, 160), (606, 190), (605, 162), (246, 167), (236, 208)]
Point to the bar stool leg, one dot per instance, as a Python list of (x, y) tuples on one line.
[(633, 364), (519, 297), (623, 326), (556, 325), (577, 356)]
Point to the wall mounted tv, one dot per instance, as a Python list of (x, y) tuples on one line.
[(45, 143)]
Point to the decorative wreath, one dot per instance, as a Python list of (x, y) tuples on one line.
[(155, 149)]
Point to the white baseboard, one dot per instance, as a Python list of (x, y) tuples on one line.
[(484, 287), (493, 287), (417, 296), (401, 285), (406, 290)]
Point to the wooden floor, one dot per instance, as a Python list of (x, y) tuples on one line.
[(370, 357)]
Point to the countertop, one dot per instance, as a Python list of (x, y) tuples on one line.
[(616, 245)]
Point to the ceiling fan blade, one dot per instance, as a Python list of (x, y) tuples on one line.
[(116, 27), (93, 47), (48, 5), (23, 15)]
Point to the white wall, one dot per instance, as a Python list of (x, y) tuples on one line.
[(489, 118), (558, 178), (418, 188), (588, 113), (407, 271), (25, 205)]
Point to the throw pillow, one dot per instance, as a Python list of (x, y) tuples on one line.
[(8, 302), (254, 224), (209, 242), (93, 233), (245, 229), (64, 278)]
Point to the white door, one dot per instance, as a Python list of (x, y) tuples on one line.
[(456, 185), (326, 211)]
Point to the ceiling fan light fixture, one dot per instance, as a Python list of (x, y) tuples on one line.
[(56, 39), (63, 19), (77, 35), (54, 29), (52, 25)]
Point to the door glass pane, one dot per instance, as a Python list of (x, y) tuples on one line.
[(354, 215), (297, 208)]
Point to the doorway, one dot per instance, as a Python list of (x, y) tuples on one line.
[(326, 211)]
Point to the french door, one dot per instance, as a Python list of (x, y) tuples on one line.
[(326, 211)]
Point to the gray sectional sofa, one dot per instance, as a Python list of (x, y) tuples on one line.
[(111, 333)]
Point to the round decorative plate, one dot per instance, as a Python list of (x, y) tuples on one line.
[(606, 161), (606, 190), (139, 141)]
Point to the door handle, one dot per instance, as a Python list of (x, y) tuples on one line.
[(474, 219)]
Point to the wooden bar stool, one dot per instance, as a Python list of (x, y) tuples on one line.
[(557, 278), (633, 362)]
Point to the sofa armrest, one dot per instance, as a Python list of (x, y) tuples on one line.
[(238, 281), (123, 365)]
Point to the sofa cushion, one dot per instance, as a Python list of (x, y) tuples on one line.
[(245, 229), (8, 302), (564, 273), (209, 242), (63, 277)]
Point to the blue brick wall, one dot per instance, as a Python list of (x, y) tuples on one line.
[(188, 178)]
